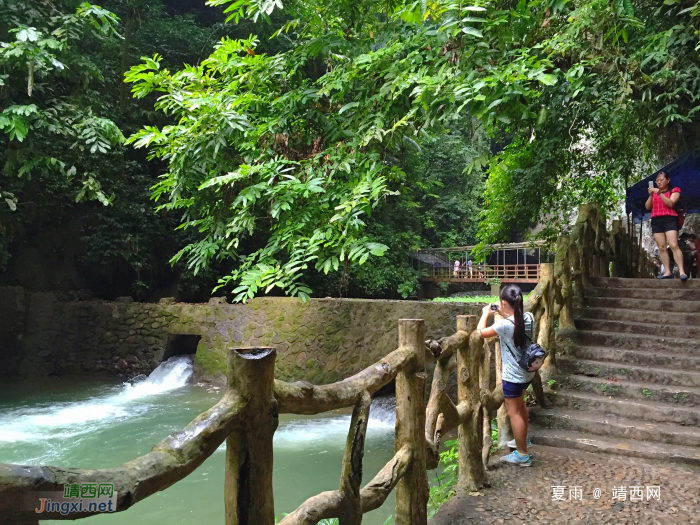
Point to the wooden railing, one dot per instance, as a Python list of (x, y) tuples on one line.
[(247, 417), (512, 273)]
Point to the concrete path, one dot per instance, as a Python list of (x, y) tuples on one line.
[(524, 495)]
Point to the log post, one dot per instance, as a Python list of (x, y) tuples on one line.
[(248, 494), (485, 384), (472, 475), (412, 488), (563, 284), (351, 472), (505, 431), (545, 334)]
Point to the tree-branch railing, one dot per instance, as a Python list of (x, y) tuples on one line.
[(248, 415)]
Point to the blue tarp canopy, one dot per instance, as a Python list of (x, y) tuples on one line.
[(684, 173)]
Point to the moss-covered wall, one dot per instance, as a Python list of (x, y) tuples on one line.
[(321, 341)]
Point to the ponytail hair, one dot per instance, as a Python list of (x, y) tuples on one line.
[(512, 294)]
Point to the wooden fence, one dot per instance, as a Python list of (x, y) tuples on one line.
[(247, 417)]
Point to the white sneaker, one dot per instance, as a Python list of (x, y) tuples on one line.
[(511, 443)]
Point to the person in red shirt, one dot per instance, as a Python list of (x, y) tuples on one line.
[(664, 223)]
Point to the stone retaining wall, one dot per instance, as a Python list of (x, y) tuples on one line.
[(321, 341)]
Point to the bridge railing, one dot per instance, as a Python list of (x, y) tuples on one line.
[(248, 414), (482, 272)]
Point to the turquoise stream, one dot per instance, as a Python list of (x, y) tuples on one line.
[(84, 424)]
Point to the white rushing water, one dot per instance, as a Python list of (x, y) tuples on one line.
[(100, 426), (61, 420), (333, 430)]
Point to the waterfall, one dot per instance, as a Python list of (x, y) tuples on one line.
[(61, 420)]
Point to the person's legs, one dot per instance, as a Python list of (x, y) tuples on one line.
[(660, 239), (672, 238), (517, 411)]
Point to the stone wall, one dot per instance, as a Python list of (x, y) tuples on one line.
[(322, 341)]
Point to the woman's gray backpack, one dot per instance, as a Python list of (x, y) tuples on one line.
[(532, 357)]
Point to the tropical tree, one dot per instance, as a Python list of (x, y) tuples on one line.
[(279, 160)]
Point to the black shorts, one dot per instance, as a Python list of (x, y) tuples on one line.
[(664, 223), (514, 390)]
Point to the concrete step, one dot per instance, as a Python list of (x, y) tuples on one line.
[(647, 327), (618, 282), (622, 447), (657, 305), (645, 374), (614, 427), (633, 341), (622, 388), (674, 361), (634, 316), (646, 411), (673, 294)]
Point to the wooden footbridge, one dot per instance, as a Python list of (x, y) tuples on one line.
[(509, 263)]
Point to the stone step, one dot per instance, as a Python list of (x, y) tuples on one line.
[(673, 294), (645, 374), (614, 427), (657, 305), (618, 282), (600, 386), (646, 411), (633, 316), (622, 447), (650, 327), (670, 360), (647, 343)]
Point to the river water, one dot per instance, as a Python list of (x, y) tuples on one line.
[(83, 424)]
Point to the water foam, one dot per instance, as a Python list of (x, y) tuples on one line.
[(300, 433), (69, 419)]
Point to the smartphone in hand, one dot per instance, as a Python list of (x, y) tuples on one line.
[(651, 184), (494, 307)]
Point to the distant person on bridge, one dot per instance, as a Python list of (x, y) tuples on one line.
[(469, 268), (456, 272), (511, 331), (664, 223)]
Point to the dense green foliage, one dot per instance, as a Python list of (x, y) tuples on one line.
[(266, 148), (311, 146)]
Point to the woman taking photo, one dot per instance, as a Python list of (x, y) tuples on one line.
[(664, 223), (512, 331)]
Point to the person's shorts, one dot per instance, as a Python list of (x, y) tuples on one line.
[(664, 223), (514, 390)]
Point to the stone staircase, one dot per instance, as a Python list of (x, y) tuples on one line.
[(629, 380)]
